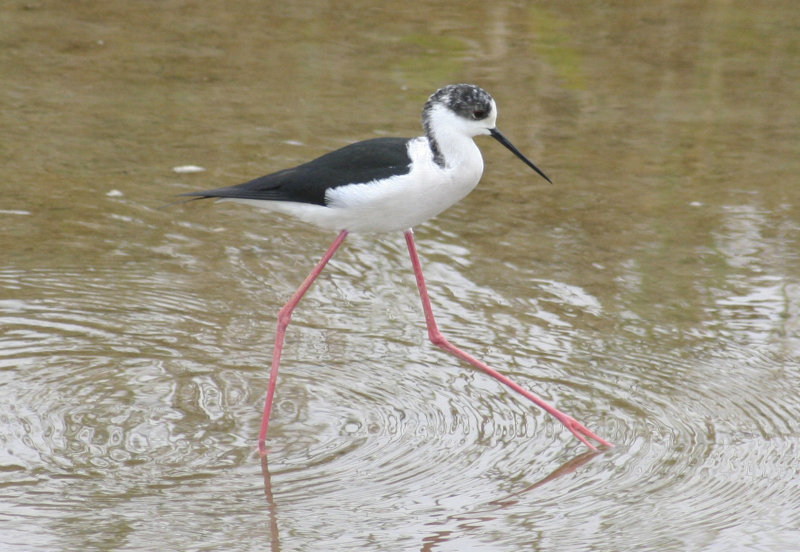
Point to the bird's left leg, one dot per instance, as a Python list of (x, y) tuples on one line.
[(284, 317)]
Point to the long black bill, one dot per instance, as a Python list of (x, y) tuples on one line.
[(497, 135)]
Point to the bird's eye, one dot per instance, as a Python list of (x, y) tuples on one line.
[(479, 114)]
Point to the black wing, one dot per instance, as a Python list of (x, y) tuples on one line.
[(354, 164)]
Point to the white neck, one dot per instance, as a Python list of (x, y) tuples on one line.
[(451, 138)]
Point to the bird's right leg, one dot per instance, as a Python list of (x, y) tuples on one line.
[(578, 430)]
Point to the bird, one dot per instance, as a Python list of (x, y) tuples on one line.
[(389, 184)]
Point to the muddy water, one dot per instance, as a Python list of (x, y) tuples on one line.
[(653, 291)]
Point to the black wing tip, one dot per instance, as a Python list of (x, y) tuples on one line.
[(196, 195), (219, 193), (190, 197), (182, 201)]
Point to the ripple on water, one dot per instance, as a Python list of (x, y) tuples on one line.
[(155, 396), (689, 424), (409, 429), (87, 385)]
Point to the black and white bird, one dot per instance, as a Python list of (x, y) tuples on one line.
[(385, 185)]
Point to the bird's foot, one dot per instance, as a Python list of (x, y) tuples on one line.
[(581, 432)]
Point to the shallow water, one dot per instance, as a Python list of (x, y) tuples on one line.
[(653, 291)]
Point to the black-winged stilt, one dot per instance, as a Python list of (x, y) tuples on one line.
[(384, 185)]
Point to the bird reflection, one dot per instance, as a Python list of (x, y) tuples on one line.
[(272, 509), (469, 521), (474, 520)]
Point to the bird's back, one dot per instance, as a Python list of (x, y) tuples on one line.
[(357, 163)]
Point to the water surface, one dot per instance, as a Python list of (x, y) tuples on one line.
[(653, 291)]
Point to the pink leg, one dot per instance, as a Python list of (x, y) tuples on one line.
[(436, 337), (284, 317)]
